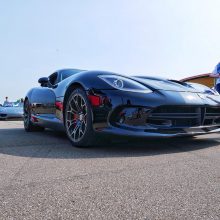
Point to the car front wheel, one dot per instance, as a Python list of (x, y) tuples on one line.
[(78, 119)]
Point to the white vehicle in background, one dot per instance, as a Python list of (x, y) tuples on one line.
[(11, 110)]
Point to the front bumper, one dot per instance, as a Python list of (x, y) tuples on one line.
[(6, 116), (156, 115), (3, 116), (169, 133)]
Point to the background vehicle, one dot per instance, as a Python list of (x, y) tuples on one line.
[(11, 110), (88, 103)]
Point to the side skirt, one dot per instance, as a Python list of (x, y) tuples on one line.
[(48, 121)]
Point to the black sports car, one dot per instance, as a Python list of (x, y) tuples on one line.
[(88, 103)]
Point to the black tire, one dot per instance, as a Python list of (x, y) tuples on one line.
[(28, 125), (78, 120)]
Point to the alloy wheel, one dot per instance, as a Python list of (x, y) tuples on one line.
[(76, 117)]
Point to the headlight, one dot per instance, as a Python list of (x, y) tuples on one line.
[(125, 84)]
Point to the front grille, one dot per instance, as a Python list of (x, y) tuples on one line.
[(176, 109), (184, 116), (212, 115)]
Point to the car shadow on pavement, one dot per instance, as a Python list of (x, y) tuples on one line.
[(50, 144)]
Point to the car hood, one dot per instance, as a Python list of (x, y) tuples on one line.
[(163, 84)]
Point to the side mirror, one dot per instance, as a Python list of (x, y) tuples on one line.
[(43, 81)]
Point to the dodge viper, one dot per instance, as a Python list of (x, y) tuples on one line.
[(86, 104)]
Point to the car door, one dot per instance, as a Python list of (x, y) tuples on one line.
[(44, 98)]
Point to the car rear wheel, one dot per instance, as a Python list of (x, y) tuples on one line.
[(78, 119), (28, 124)]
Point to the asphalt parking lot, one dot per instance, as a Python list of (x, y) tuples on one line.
[(43, 177)]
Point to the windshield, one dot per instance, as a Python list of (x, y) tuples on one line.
[(67, 73)]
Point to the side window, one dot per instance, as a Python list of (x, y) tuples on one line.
[(53, 78)]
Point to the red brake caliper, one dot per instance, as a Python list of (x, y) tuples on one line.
[(75, 117)]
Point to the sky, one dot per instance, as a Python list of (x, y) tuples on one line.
[(167, 38)]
